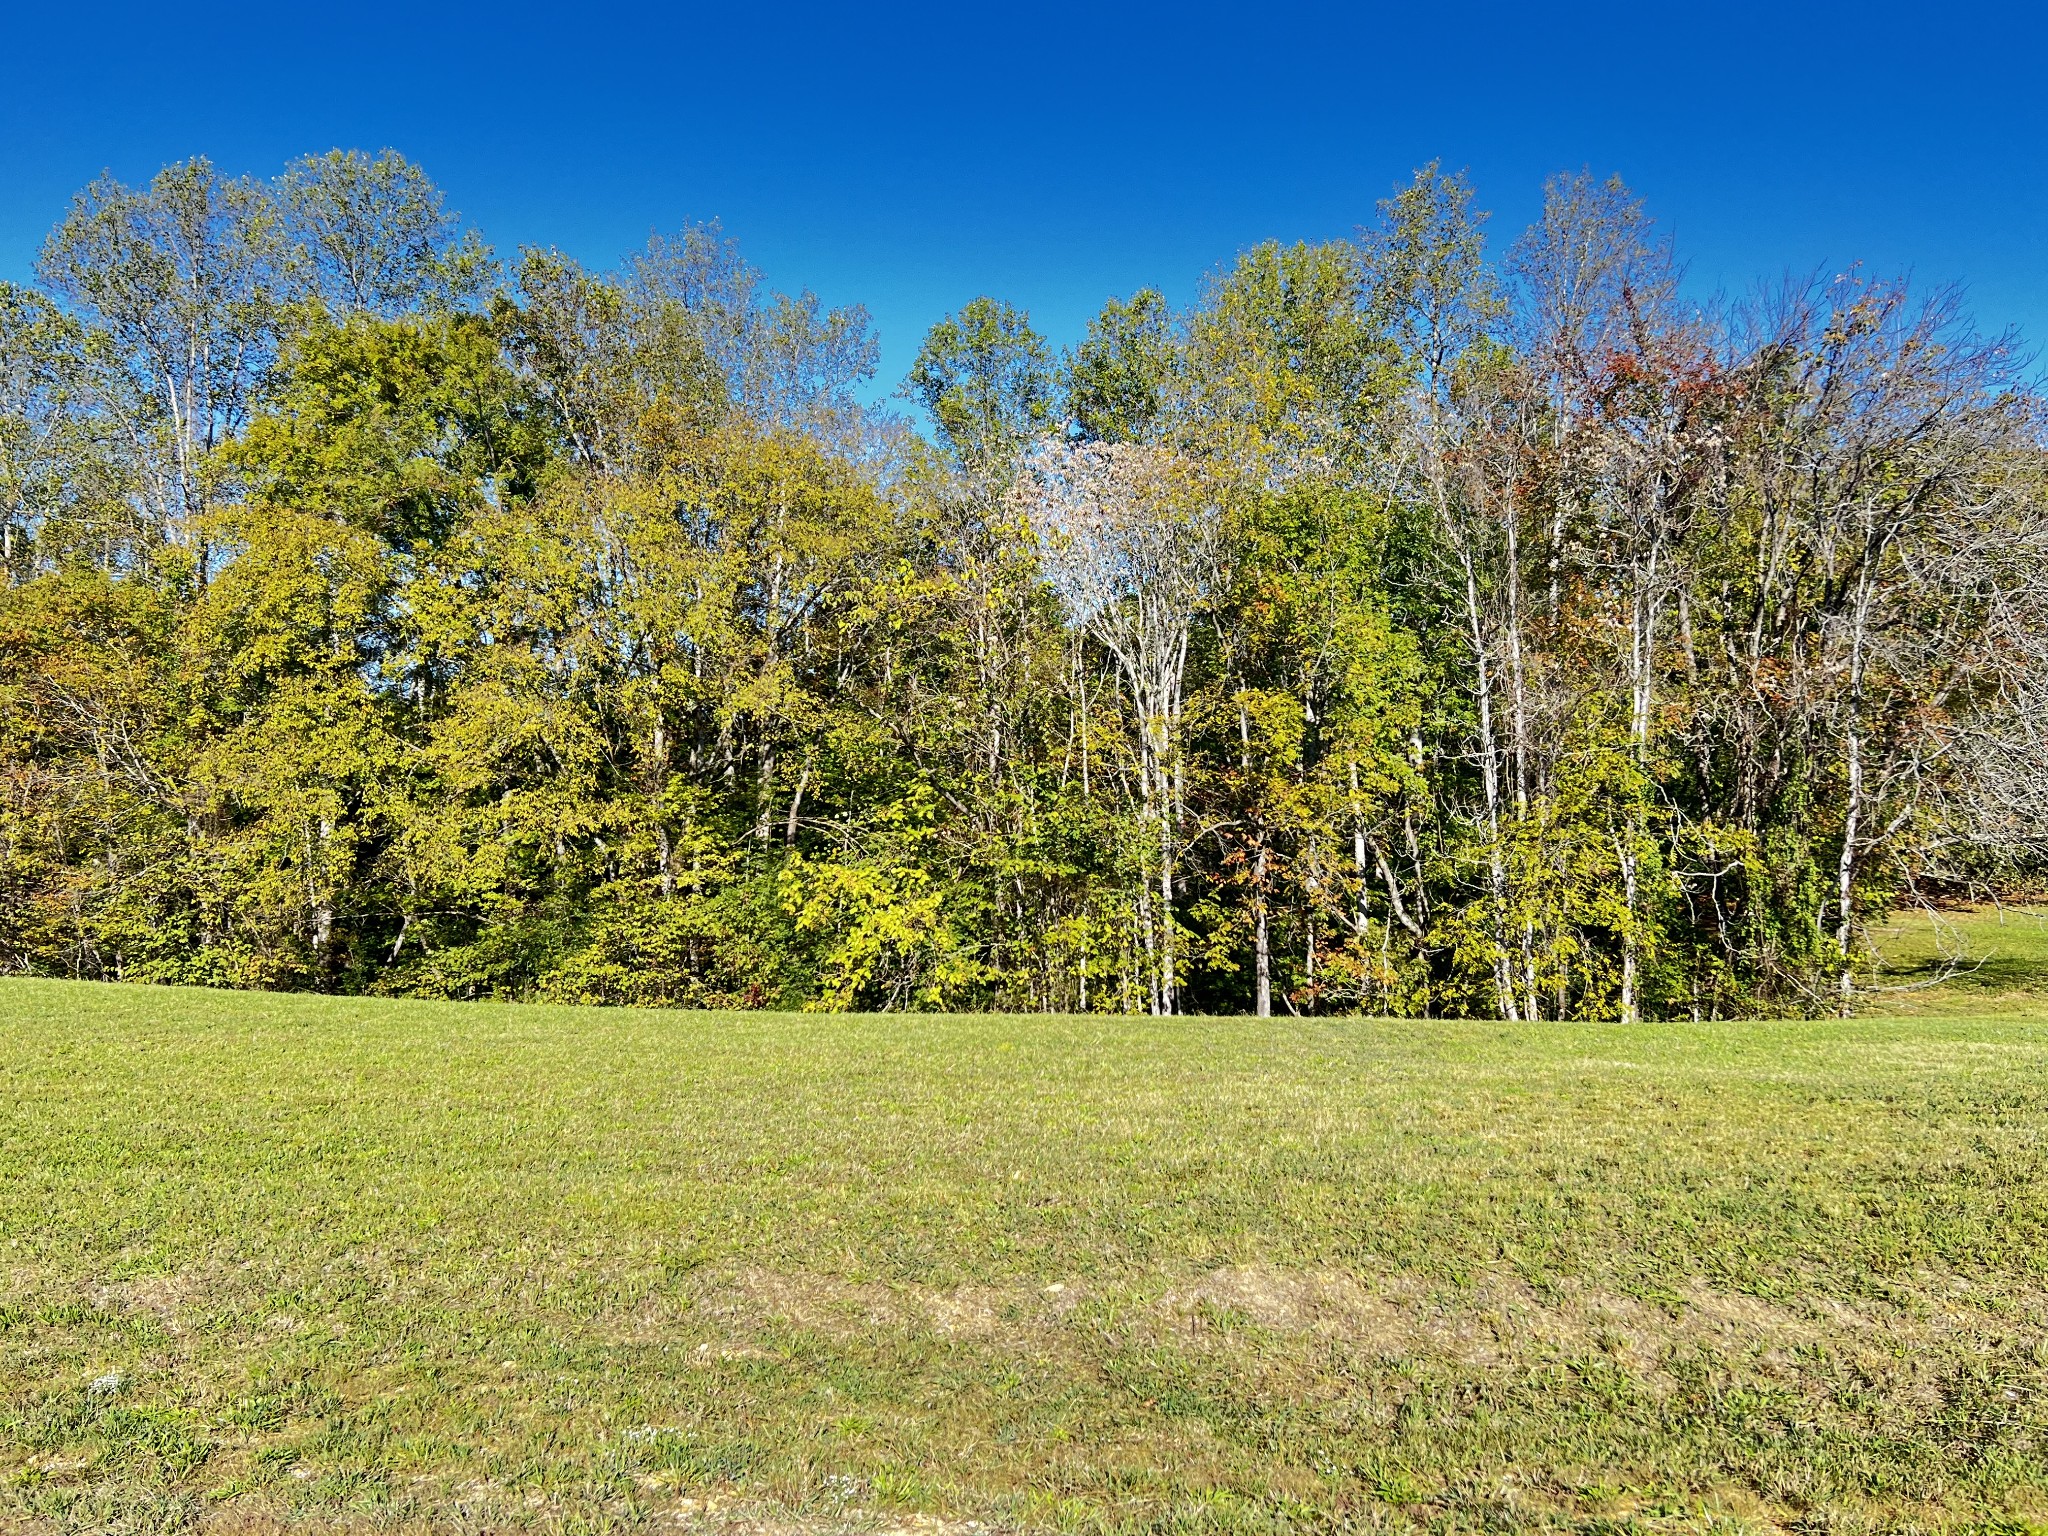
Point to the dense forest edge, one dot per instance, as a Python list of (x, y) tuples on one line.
[(1397, 628)]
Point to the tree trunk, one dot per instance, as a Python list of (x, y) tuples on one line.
[(1489, 775), (1264, 945)]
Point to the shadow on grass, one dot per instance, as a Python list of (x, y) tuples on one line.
[(1965, 959)]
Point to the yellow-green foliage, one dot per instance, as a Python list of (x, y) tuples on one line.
[(1373, 634)]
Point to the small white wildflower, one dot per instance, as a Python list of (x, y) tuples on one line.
[(107, 1385)]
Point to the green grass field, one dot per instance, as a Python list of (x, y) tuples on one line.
[(1986, 960), (276, 1262)]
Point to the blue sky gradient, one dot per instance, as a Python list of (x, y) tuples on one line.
[(910, 157)]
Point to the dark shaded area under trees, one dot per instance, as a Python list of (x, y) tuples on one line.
[(1392, 631)]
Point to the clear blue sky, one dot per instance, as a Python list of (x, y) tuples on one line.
[(910, 157)]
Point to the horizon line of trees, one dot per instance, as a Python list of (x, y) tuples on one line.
[(1395, 629)]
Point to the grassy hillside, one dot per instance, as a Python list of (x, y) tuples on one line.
[(1966, 961), (365, 1264)]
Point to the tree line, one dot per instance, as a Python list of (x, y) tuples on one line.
[(1397, 628)]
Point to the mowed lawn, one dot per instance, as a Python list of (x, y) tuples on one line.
[(334, 1263)]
